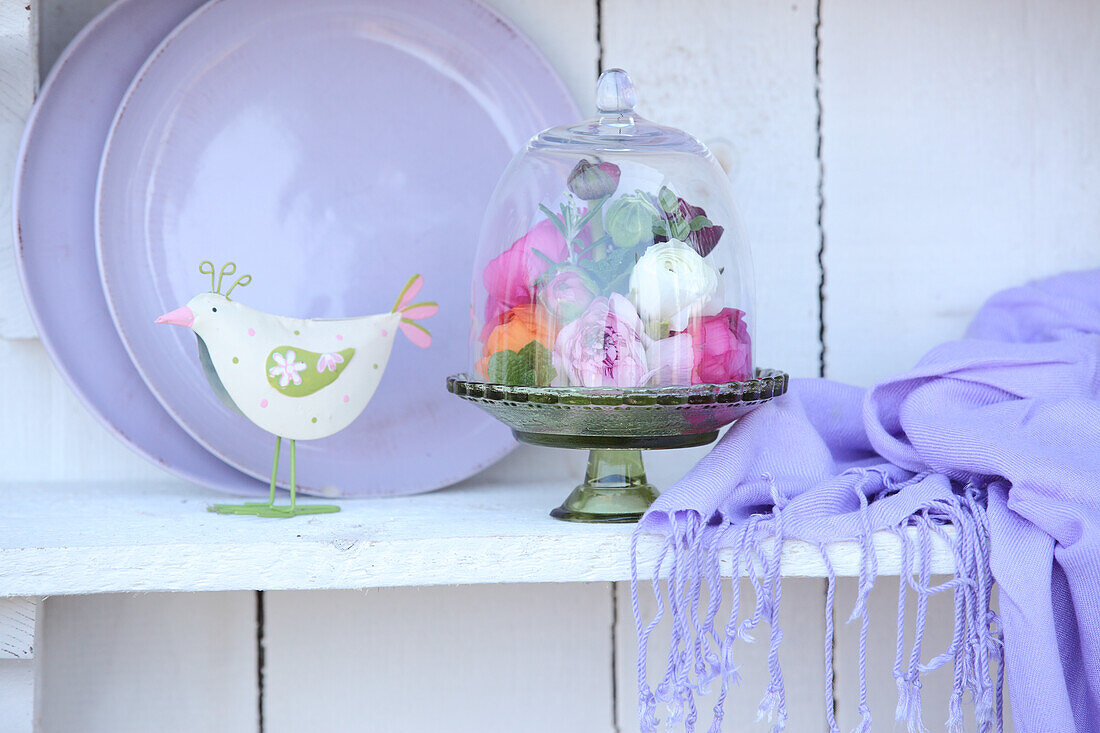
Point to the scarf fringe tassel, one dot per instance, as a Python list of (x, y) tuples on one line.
[(702, 654)]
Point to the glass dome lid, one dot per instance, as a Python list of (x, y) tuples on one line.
[(612, 256)]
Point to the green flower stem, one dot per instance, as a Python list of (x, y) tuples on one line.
[(593, 219), (599, 250)]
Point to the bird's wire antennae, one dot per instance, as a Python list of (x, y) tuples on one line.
[(203, 270), (243, 280), (227, 269)]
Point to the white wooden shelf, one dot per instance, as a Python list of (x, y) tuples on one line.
[(104, 537)]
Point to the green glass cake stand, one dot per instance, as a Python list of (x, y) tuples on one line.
[(615, 425)]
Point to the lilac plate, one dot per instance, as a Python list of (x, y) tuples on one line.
[(330, 149), (54, 227)]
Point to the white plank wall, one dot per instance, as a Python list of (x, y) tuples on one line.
[(468, 659), (960, 157), (19, 619), (161, 662), (958, 146)]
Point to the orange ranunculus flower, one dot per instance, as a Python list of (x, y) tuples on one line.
[(515, 329)]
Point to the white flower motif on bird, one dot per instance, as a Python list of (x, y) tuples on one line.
[(286, 368), (329, 361)]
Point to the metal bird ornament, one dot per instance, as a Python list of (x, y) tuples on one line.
[(296, 378)]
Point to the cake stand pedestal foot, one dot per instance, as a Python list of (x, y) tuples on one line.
[(614, 491)]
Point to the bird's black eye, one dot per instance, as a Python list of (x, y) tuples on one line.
[(215, 310)]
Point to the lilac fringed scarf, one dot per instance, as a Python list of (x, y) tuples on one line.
[(992, 443)]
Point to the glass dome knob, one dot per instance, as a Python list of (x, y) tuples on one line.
[(615, 93)]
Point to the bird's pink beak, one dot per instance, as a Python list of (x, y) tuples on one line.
[(179, 317)]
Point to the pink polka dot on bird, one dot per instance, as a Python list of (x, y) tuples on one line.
[(251, 332), (346, 398), (263, 403), (385, 333), (339, 337)]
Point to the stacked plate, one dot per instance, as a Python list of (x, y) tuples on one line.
[(329, 149)]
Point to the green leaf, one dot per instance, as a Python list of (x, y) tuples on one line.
[(699, 222), (558, 223), (660, 229), (531, 366), (680, 230), (668, 200), (613, 270), (545, 257), (541, 361)]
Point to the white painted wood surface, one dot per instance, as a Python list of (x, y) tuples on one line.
[(158, 537), (18, 82), (534, 658), (959, 149), (152, 662), (17, 620), (18, 668), (16, 696)]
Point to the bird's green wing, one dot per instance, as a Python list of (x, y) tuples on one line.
[(297, 372)]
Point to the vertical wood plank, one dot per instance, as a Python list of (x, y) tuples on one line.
[(959, 158), (135, 663), (16, 696), (801, 653), (482, 658), (18, 620), (743, 71), (18, 83), (17, 625)]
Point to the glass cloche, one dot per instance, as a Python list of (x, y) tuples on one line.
[(613, 304)]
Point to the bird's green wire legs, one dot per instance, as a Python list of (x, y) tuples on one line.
[(268, 508)]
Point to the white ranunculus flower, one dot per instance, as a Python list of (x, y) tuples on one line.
[(672, 284)]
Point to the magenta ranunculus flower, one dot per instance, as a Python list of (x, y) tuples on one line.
[(721, 346), (510, 278), (604, 347), (567, 294)]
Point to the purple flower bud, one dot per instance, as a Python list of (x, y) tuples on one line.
[(700, 232), (591, 182)]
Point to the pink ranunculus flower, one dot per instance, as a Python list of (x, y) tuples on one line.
[(567, 294), (510, 278), (604, 347), (723, 352), (671, 360)]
